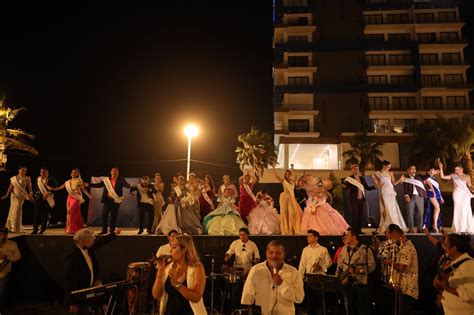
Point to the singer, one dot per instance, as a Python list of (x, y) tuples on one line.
[(274, 285)]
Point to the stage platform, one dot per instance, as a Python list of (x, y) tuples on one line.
[(40, 274)]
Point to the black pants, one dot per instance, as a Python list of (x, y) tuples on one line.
[(314, 300), (358, 207), (110, 207), (41, 214), (406, 306), (148, 209), (357, 300)]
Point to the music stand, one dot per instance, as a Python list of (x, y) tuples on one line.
[(324, 283)]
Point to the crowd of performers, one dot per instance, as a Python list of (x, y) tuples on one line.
[(197, 206)]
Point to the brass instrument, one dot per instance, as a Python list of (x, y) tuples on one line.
[(395, 276), (315, 267)]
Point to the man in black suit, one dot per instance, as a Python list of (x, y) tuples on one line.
[(111, 198), (415, 194), (43, 199), (82, 267), (357, 187)]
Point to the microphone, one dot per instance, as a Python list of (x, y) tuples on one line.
[(274, 267), (165, 258)]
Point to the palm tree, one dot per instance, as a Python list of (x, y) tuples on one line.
[(365, 150), (461, 132), (258, 151)]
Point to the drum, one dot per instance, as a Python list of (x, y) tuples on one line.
[(138, 295), (234, 275)]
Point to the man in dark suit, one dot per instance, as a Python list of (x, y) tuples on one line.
[(357, 186), (415, 195), (43, 200), (111, 198), (82, 267)]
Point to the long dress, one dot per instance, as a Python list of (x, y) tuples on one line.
[(264, 220), (169, 220), (320, 216), (246, 202), (187, 210), (225, 220), (389, 210), (428, 220), (204, 205), (462, 216), (158, 203), (74, 221), (290, 210), (17, 198)]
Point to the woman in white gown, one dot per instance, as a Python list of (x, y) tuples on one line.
[(389, 209), (462, 216)]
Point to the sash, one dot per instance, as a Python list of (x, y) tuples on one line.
[(462, 185), (44, 192), (179, 192), (206, 197), (434, 183), (249, 191), (415, 182), (356, 183), (19, 189), (111, 190), (73, 193), (382, 178), (144, 195), (158, 196)]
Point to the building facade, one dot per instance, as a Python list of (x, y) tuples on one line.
[(341, 67)]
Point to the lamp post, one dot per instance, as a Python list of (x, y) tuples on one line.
[(190, 131)]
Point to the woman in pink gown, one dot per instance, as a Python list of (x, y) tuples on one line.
[(247, 200), (74, 187), (264, 219), (320, 216)]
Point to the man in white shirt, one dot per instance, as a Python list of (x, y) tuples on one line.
[(245, 251), (314, 259), (273, 285), (166, 249)]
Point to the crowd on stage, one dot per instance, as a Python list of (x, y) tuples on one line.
[(197, 206)]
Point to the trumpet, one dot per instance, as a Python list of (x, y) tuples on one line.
[(394, 279)]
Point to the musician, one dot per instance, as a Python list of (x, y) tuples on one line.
[(355, 263), (314, 259), (9, 253), (166, 249), (357, 187), (415, 194), (245, 251), (180, 285), (82, 267), (272, 284), (43, 200), (405, 275), (458, 284)]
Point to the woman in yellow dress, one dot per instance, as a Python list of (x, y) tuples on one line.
[(290, 210)]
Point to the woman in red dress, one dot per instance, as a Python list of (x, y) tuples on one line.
[(206, 200), (247, 200)]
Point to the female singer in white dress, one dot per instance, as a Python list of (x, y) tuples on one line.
[(389, 209), (462, 216)]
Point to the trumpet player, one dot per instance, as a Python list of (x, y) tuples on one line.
[(314, 259), (403, 268), (355, 263)]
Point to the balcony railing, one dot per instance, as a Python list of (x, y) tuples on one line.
[(287, 129), (299, 107)]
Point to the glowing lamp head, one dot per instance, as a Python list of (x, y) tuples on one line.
[(191, 131)]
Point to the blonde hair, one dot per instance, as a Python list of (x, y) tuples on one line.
[(190, 255)]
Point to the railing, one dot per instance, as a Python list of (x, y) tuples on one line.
[(286, 129), (299, 107)]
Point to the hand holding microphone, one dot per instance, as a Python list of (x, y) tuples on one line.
[(275, 276)]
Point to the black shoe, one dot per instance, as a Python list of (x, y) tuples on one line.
[(34, 232), (103, 232), (149, 232), (140, 231), (41, 232)]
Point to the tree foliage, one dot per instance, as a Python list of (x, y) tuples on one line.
[(257, 151), (365, 150)]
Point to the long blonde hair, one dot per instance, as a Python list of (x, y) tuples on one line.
[(190, 255)]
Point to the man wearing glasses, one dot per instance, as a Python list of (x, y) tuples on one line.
[(245, 251)]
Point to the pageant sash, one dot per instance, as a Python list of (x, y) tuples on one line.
[(19, 189), (462, 185), (111, 190), (206, 197), (434, 183), (144, 198), (179, 192), (158, 196), (44, 192), (382, 178), (356, 183), (415, 182), (72, 192), (249, 191)]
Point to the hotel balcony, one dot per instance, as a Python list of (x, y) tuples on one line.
[(285, 130), (377, 5), (297, 108)]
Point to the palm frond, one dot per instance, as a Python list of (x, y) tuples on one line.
[(16, 133), (17, 145)]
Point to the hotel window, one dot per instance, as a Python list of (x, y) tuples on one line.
[(376, 60), (380, 125), (373, 19), (432, 102), (431, 80), (397, 18), (401, 80), (399, 36), (429, 59), (400, 60), (298, 21), (298, 125), (448, 36), (451, 59), (424, 18), (378, 103), (404, 103), (453, 79), (426, 37), (298, 61), (377, 79), (296, 3), (298, 80), (404, 125), (374, 36), (444, 17), (455, 102), (297, 39)]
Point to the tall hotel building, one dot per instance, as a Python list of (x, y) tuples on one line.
[(342, 66)]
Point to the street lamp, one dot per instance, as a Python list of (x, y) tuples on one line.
[(190, 131)]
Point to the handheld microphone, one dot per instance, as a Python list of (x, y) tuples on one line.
[(165, 258), (274, 267)]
